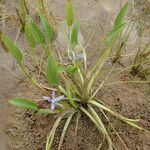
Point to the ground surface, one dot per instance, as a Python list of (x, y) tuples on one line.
[(24, 130)]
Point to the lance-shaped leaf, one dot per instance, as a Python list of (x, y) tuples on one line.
[(36, 32), (41, 6), (49, 32), (29, 36), (65, 130), (52, 70), (24, 103), (113, 34), (121, 14), (68, 69), (96, 69), (2, 43), (74, 34), (69, 13), (22, 12), (48, 111), (16, 52)]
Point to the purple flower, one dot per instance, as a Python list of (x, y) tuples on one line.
[(54, 100), (76, 56), (79, 56)]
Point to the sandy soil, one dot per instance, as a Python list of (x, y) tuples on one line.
[(25, 130)]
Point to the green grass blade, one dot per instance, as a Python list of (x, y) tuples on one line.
[(50, 138), (68, 95), (69, 13), (22, 12), (70, 69), (64, 130), (77, 122), (91, 118), (96, 69), (131, 122), (52, 71), (113, 34), (49, 32), (112, 112), (52, 133), (121, 14), (136, 126), (25, 103), (29, 36), (41, 7), (92, 111), (63, 90), (16, 52), (3, 44), (36, 32), (104, 131), (74, 34), (22, 8)]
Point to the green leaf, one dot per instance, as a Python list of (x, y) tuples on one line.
[(91, 118), (92, 74), (51, 136), (103, 129), (121, 14), (71, 69), (52, 71), (113, 34), (68, 69), (69, 94), (25, 103), (48, 29), (2, 43), (41, 6), (47, 111), (22, 8), (74, 33), (29, 36), (69, 13), (22, 12), (36, 32), (65, 130), (16, 52)]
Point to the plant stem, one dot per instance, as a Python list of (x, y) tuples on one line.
[(36, 56), (34, 82), (104, 131)]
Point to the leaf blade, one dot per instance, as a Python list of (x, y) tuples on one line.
[(69, 13), (36, 32), (29, 36), (96, 69), (16, 52), (121, 14), (113, 34), (47, 111), (68, 69), (65, 130), (48, 29), (52, 71), (74, 34), (24, 103)]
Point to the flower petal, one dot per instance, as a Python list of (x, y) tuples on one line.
[(53, 94), (59, 98), (47, 98), (59, 104), (53, 106), (79, 56)]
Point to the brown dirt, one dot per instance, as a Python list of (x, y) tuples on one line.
[(25, 130)]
